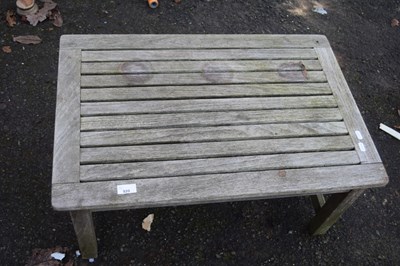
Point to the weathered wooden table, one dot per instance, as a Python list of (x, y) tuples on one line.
[(158, 120)]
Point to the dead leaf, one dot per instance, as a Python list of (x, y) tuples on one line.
[(395, 23), (397, 126), (398, 111), (42, 13), (281, 173), (43, 257), (57, 18), (6, 49), (303, 70), (146, 224), (11, 18), (178, 1), (27, 39), (25, 4)]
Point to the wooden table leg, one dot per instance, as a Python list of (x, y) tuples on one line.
[(84, 229), (331, 211), (318, 201)]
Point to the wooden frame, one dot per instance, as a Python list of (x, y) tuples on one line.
[(192, 119)]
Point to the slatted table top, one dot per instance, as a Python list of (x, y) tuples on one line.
[(184, 119)]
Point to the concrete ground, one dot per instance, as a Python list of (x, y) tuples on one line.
[(242, 233)]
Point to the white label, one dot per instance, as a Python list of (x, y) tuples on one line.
[(126, 189), (359, 136), (362, 147)]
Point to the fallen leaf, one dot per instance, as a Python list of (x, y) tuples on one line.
[(397, 126), (6, 49), (57, 18), (281, 173), (146, 224), (42, 13), (398, 111), (27, 39), (44, 256), (25, 4), (303, 70), (395, 23), (178, 1), (11, 18)]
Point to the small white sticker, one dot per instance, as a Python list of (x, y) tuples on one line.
[(126, 189), (359, 136), (362, 147)]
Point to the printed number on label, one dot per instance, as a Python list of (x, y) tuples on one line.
[(126, 189)]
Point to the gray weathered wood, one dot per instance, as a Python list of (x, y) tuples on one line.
[(196, 54), (348, 106), (208, 119), (114, 171), (84, 229), (206, 105), (203, 91), (198, 66), (191, 41), (213, 149), (205, 118), (332, 210), (152, 192), (66, 132), (201, 78), (218, 133)]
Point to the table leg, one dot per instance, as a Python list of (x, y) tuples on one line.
[(331, 211), (318, 201), (84, 229)]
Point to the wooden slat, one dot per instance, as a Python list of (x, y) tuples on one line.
[(198, 134), (198, 66), (67, 125), (213, 149), (348, 106), (216, 165), (207, 91), (196, 54), (191, 41), (156, 192), (208, 119), (201, 78), (206, 105)]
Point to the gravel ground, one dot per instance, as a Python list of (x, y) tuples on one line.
[(241, 233)]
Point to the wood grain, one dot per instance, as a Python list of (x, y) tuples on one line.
[(67, 125), (197, 66), (206, 105), (84, 229), (121, 122), (117, 171), (200, 78), (203, 91), (170, 191), (217, 133), (191, 41), (197, 54), (213, 149), (348, 106)]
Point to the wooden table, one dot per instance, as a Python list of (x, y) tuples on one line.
[(160, 120)]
